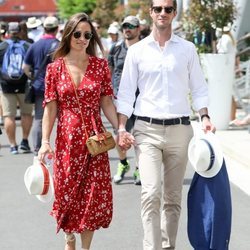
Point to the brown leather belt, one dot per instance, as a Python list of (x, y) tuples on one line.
[(166, 122)]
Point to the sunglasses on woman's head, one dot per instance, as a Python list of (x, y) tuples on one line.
[(86, 35), (158, 9)]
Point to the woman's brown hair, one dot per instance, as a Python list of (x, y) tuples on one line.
[(64, 46)]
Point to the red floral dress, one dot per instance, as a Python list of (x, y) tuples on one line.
[(83, 190)]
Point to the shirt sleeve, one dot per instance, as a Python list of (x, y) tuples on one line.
[(28, 59), (128, 84), (50, 84), (106, 87), (111, 57), (197, 82)]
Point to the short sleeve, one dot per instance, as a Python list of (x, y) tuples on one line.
[(50, 84), (106, 87)]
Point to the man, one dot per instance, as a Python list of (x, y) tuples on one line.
[(35, 28), (165, 68), (116, 58), (113, 35), (2, 31), (13, 93), (35, 62), (103, 40)]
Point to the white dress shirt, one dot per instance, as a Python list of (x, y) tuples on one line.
[(164, 77)]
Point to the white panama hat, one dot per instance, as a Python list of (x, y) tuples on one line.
[(39, 182), (205, 154), (33, 22)]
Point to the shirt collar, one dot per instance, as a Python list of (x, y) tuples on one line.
[(48, 36), (173, 38)]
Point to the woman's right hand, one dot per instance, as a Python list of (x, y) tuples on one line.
[(125, 140), (44, 150)]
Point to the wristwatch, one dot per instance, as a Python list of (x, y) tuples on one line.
[(205, 115)]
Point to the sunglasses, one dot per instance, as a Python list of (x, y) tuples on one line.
[(86, 35), (128, 26), (158, 9)]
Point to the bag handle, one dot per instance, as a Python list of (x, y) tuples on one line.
[(77, 98)]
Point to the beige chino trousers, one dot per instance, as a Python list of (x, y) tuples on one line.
[(161, 152)]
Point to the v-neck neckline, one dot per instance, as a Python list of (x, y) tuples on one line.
[(77, 86)]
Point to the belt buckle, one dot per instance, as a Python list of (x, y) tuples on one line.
[(177, 121)]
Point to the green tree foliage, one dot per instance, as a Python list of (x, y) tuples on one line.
[(206, 16), (139, 8), (69, 7), (104, 12)]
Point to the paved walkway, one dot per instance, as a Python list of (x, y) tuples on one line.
[(26, 225)]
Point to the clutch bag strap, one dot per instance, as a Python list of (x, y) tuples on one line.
[(77, 98)]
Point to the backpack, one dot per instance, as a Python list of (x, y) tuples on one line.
[(13, 60)]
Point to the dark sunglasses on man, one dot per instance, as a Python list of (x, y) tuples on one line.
[(86, 35), (128, 26), (158, 9)]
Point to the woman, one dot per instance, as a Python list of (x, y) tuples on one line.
[(83, 192)]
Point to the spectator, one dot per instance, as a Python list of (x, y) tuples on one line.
[(113, 33), (241, 122), (116, 58), (24, 32), (144, 29), (227, 44), (35, 28), (1, 109), (103, 41), (13, 93), (35, 63), (60, 31), (4, 28)]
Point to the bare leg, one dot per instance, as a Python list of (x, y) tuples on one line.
[(1, 111), (122, 154), (233, 109), (10, 128), (70, 241), (86, 238), (244, 122), (26, 123)]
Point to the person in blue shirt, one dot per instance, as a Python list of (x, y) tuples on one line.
[(35, 62)]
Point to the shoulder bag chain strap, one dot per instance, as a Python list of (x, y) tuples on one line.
[(77, 98)]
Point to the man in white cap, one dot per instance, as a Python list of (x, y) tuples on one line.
[(35, 62), (113, 33), (35, 28)]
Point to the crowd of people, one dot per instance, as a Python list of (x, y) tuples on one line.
[(140, 80)]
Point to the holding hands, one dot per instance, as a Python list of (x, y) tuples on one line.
[(125, 139)]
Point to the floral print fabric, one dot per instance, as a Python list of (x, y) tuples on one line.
[(83, 190)]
